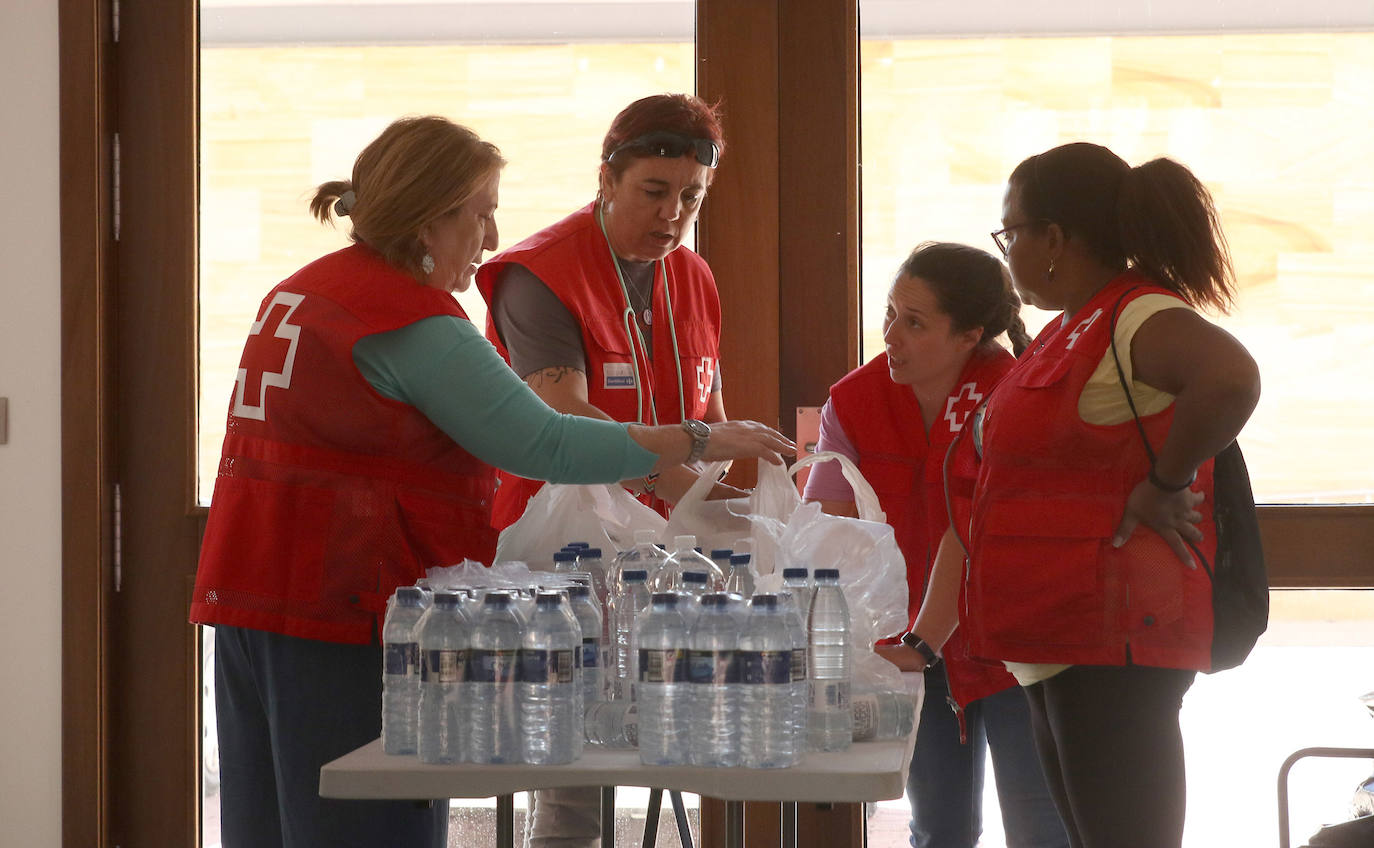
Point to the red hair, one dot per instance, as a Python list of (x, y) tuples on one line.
[(685, 114)]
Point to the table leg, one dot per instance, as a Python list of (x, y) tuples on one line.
[(651, 818), (684, 830), (608, 817), (505, 821), (734, 824), (789, 824)]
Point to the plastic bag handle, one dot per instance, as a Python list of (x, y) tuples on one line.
[(864, 496)]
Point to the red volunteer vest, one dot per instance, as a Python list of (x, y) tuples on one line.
[(905, 467), (1045, 583), (573, 260), (329, 495)]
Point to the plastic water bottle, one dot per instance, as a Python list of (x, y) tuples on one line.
[(661, 688), (883, 715), (628, 604), (801, 670), (565, 560), (696, 584), (685, 558), (613, 724), (492, 660), (426, 592), (767, 738), (721, 557), (550, 724), (739, 580), (796, 584), (592, 658), (714, 684), (832, 714), (589, 560), (401, 672), (442, 636)]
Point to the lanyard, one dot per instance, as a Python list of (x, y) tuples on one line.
[(628, 319)]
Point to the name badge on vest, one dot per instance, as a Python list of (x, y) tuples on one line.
[(619, 375)]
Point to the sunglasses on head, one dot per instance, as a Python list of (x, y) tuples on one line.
[(671, 145)]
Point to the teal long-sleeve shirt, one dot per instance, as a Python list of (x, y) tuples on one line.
[(443, 367)]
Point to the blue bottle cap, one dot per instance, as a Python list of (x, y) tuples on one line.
[(827, 574), (794, 572), (666, 598), (694, 577), (766, 601), (720, 553), (634, 575), (739, 559), (565, 556)]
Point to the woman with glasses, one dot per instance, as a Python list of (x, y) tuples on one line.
[(1083, 572), (605, 313), (895, 417)]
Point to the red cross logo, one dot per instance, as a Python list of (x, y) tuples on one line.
[(958, 407), (1082, 328), (271, 344), (706, 375)]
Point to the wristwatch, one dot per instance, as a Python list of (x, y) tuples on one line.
[(700, 432), (917, 644)]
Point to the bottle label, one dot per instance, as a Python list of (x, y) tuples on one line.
[(712, 667), (488, 666), (798, 665), (400, 659), (591, 651), (548, 667), (865, 718), (830, 694), (662, 665), (443, 666), (764, 666)]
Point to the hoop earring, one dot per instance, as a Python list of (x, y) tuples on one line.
[(427, 264), (1049, 275)]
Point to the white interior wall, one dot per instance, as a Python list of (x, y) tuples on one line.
[(30, 463)]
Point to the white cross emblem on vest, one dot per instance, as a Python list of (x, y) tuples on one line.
[(960, 405), (263, 349)]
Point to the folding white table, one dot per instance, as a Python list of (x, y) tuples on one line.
[(868, 771)]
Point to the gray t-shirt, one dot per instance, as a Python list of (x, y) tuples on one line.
[(538, 330)]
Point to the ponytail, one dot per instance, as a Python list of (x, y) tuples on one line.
[(1170, 231), (328, 202)]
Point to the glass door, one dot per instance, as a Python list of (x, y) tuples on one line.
[(291, 92)]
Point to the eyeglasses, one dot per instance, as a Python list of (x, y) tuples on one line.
[(1000, 236), (671, 145)]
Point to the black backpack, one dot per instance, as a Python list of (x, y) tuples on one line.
[(1240, 582)]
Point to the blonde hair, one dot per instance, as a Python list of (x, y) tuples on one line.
[(418, 169)]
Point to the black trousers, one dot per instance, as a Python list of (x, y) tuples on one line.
[(285, 707), (1109, 741)]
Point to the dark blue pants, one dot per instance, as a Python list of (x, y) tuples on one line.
[(285, 707), (945, 785), (1113, 753)]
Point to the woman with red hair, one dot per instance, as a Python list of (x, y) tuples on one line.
[(606, 313)]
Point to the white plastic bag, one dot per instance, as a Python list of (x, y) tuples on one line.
[(604, 516), (716, 524), (872, 569)]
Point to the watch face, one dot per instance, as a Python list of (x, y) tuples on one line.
[(698, 429)]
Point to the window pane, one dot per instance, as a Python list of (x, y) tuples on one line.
[(1277, 126), (278, 119)]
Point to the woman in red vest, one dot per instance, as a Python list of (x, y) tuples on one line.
[(895, 417), (606, 313), (363, 427), (1081, 576)]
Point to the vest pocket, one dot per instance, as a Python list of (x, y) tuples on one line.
[(1038, 572), (268, 538)]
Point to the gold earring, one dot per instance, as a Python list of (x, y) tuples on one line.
[(1049, 275)]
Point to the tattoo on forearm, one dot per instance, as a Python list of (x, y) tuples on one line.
[(550, 375)]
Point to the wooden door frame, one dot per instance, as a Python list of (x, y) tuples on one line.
[(87, 250)]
